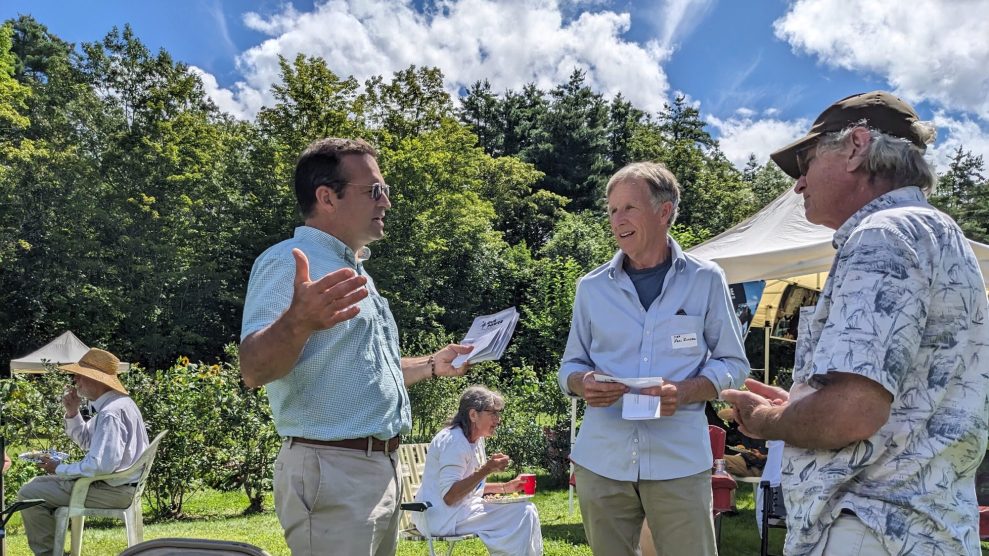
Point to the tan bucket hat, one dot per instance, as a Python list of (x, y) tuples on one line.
[(98, 365)]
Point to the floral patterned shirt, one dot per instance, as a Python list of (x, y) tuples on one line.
[(905, 306)]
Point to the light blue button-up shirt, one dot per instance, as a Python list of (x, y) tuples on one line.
[(690, 330), (348, 381)]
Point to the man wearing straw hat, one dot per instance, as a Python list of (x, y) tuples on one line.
[(115, 438)]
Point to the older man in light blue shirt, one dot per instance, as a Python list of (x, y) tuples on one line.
[(652, 311), (328, 350)]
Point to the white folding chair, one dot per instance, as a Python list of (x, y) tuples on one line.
[(77, 511)]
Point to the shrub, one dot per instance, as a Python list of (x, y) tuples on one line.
[(184, 400), (248, 449)]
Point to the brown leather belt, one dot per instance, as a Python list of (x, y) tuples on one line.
[(355, 443)]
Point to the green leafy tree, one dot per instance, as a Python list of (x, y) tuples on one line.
[(522, 122), (624, 120), (412, 103), (963, 193), (480, 109), (311, 102), (573, 154), (766, 181)]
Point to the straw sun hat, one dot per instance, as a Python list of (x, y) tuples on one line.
[(98, 365)]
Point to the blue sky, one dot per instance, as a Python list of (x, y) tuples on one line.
[(759, 71)]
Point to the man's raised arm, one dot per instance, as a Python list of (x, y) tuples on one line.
[(270, 353)]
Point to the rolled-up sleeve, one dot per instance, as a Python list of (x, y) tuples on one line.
[(727, 365)]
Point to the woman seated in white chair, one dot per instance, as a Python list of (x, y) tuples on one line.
[(454, 481)]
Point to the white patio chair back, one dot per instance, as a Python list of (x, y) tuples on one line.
[(132, 516)]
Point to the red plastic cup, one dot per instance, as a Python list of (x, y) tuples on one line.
[(528, 483)]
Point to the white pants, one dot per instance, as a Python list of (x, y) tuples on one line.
[(505, 529)]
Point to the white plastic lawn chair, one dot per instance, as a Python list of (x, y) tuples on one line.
[(77, 511)]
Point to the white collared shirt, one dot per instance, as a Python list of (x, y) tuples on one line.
[(115, 437)]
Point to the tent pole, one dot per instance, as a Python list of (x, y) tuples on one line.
[(765, 353)]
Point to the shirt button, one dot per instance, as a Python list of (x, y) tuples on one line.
[(633, 461), (645, 359), (648, 332), (635, 454), (636, 440)]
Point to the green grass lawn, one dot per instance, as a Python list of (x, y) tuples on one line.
[(217, 515)]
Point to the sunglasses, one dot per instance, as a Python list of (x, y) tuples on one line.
[(376, 189), (804, 157)]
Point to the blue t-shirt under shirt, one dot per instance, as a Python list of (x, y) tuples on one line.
[(648, 282)]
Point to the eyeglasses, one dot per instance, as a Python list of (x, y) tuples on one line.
[(804, 157), (377, 189), (496, 412)]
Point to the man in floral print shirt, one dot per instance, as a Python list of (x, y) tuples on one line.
[(886, 423)]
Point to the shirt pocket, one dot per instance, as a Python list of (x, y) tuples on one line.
[(682, 335)]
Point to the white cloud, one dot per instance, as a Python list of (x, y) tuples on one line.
[(740, 137), (676, 19), (508, 42), (954, 133), (223, 98), (926, 49)]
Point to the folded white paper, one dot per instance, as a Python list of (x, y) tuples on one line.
[(637, 407), (489, 334), (637, 383)]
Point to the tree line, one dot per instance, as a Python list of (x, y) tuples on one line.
[(132, 208)]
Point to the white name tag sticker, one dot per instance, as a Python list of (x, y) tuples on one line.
[(681, 341)]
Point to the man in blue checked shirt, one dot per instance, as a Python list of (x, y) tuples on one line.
[(652, 311), (322, 339)]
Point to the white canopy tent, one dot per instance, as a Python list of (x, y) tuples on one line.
[(66, 348), (780, 246)]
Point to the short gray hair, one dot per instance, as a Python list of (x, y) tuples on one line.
[(889, 157), (478, 398), (663, 184)]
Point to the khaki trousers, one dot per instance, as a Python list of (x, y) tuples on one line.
[(678, 512), (337, 501), (39, 521), (848, 536)]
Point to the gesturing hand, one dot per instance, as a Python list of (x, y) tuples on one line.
[(495, 463), (323, 303)]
